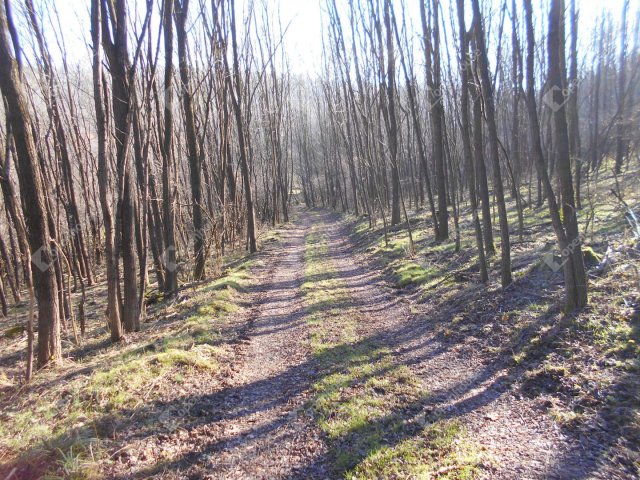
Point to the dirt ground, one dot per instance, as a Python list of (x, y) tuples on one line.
[(253, 421)]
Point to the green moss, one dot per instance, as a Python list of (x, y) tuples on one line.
[(615, 334), (591, 258), (412, 273), (364, 400), (439, 451), (13, 332)]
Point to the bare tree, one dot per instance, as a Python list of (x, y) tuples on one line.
[(32, 193)]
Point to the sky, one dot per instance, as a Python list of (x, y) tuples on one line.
[(303, 39)]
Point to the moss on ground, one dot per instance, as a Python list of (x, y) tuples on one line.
[(68, 426), (369, 406)]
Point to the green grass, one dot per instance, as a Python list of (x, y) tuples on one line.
[(412, 273), (67, 424), (571, 359), (422, 270), (614, 334), (367, 404), (440, 451), (13, 332)]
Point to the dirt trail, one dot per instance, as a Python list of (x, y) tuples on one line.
[(253, 428), (261, 432), (519, 439)]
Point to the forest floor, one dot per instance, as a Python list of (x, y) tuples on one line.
[(331, 354)]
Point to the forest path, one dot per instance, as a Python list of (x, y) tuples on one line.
[(256, 426), (465, 383), (258, 432)]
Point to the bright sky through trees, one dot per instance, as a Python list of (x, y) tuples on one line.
[(303, 22)]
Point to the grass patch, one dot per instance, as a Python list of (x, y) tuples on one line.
[(614, 334), (13, 332), (440, 451), (412, 273), (369, 406), (67, 425)]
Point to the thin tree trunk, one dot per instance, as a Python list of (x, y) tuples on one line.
[(621, 145), (169, 254), (111, 259), (465, 66), (432, 65), (33, 194), (236, 91), (481, 171), (487, 93), (574, 271), (195, 161)]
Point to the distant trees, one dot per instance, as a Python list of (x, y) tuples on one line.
[(194, 131), (461, 122), (117, 172)]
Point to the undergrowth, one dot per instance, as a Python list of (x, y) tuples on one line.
[(66, 429), (582, 369)]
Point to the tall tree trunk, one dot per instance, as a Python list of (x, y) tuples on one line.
[(392, 121), (487, 93), (573, 117), (195, 160), (235, 88), (33, 194), (465, 66), (574, 271), (621, 145), (104, 182), (538, 156), (117, 53), (169, 254), (481, 169), (514, 164), (435, 97)]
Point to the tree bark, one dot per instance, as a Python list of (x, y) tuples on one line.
[(32, 191), (235, 88), (621, 145), (574, 271), (195, 160), (435, 97), (487, 93), (111, 258), (169, 254), (465, 66)]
